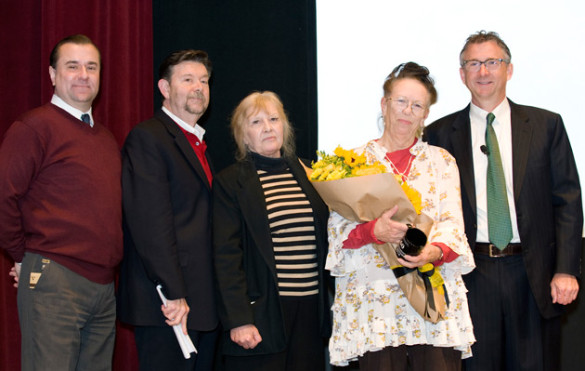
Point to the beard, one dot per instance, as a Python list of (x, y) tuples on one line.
[(196, 104)]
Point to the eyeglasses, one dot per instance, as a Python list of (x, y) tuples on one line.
[(492, 64), (418, 109)]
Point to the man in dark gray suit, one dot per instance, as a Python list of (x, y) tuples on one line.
[(166, 184), (528, 255)]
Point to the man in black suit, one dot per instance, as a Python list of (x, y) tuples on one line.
[(526, 272), (166, 182)]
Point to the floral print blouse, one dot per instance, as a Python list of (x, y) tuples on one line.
[(370, 311)]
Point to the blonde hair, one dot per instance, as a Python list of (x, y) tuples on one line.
[(252, 104)]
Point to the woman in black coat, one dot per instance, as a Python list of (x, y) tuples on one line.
[(270, 245)]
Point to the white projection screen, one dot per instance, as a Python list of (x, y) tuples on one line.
[(359, 43)]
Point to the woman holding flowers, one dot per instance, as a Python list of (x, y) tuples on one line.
[(270, 243), (374, 321)]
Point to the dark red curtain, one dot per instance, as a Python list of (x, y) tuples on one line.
[(122, 29)]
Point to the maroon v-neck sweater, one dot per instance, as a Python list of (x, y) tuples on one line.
[(60, 192)]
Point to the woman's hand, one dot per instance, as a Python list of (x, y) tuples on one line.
[(246, 336), (388, 230), (429, 254)]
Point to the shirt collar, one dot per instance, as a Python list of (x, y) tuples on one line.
[(196, 130), (479, 115), (57, 101)]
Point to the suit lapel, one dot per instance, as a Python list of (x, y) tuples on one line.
[(461, 150), (184, 146), (521, 138), (253, 205)]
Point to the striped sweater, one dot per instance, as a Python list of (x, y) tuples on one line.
[(292, 228)]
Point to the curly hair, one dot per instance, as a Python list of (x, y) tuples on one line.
[(411, 70)]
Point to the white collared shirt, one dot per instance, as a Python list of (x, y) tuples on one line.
[(503, 127), (56, 100), (196, 130)]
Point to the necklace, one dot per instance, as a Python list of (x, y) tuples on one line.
[(403, 173)]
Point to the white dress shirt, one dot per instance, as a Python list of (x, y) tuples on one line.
[(196, 130), (503, 127), (56, 100)]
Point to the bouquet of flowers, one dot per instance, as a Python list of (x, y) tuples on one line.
[(343, 164), (361, 192), (347, 164)]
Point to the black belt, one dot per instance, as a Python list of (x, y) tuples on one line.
[(492, 251)]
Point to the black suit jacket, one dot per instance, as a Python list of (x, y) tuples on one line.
[(547, 194), (167, 223), (244, 257)]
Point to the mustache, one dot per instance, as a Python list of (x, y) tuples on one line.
[(198, 95)]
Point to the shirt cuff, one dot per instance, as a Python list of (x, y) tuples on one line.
[(361, 235), (448, 254)]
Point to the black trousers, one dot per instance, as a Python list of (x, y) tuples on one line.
[(510, 332), (158, 349), (305, 350), (413, 358)]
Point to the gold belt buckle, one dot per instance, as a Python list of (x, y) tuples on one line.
[(494, 252)]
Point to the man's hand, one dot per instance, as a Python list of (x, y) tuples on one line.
[(388, 230), (15, 272), (564, 288), (246, 336), (176, 312)]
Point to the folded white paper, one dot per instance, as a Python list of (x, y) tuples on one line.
[(184, 340)]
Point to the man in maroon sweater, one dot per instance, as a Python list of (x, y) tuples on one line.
[(60, 218)]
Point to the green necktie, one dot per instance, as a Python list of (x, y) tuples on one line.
[(499, 224)]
